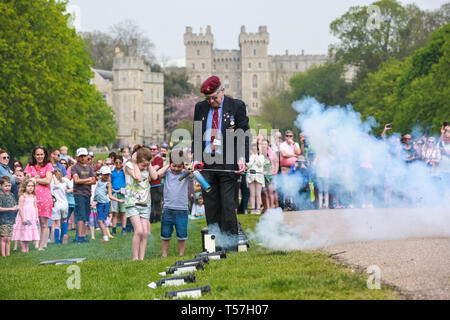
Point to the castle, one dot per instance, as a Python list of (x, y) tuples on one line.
[(136, 95), (246, 73)]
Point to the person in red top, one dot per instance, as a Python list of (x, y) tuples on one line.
[(156, 186)]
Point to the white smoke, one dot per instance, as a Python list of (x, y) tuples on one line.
[(361, 168)]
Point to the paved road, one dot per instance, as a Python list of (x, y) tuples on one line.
[(410, 246), (419, 268)]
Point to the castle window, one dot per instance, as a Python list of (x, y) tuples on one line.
[(198, 52), (249, 65), (227, 83), (254, 52), (134, 117), (260, 65), (214, 66), (255, 81), (296, 66), (255, 95), (193, 66), (203, 66), (198, 81)]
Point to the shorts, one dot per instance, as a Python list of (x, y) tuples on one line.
[(60, 212), (117, 206), (82, 208), (102, 211), (143, 212), (171, 218), (6, 230)]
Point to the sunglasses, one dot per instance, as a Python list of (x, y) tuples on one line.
[(118, 162), (5, 158), (289, 135), (153, 149)]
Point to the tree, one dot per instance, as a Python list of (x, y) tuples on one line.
[(277, 110), (410, 93), (397, 32), (377, 95), (45, 93), (177, 109), (176, 83), (424, 88), (326, 83), (125, 35)]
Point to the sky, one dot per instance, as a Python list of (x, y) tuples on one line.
[(293, 25)]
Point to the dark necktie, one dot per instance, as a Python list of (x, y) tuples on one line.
[(215, 127)]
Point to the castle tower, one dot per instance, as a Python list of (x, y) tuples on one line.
[(254, 66), (199, 54), (128, 98)]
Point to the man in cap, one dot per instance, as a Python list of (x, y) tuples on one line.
[(220, 117), (83, 177)]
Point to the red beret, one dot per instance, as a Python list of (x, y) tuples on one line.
[(210, 85)]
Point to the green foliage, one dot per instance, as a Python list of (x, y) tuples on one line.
[(413, 92), (109, 273), (277, 110), (45, 93), (401, 31), (176, 83), (326, 83)]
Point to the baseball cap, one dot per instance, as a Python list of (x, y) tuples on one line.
[(105, 170), (82, 152)]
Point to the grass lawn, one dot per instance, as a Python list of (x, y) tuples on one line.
[(109, 273)]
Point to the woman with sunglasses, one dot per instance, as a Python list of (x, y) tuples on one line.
[(5, 170), (40, 168)]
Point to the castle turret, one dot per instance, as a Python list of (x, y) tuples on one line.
[(255, 66), (128, 97), (199, 54)]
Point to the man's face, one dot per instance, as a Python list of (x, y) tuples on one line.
[(55, 156), (4, 159), (407, 139), (83, 159), (163, 151), (154, 150), (215, 99)]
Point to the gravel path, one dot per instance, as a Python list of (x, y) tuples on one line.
[(419, 268)]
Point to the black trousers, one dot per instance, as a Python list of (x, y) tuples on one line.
[(157, 203), (220, 202)]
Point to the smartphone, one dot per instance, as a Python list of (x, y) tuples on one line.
[(389, 126)]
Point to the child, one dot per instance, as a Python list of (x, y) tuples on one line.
[(118, 189), (8, 212), (198, 209), (60, 208), (103, 195), (175, 210), (138, 171), (83, 177), (25, 229), (256, 181)]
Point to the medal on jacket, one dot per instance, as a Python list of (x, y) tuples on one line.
[(231, 121)]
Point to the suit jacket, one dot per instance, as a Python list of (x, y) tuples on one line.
[(231, 107)]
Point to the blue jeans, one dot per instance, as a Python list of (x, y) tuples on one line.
[(82, 208), (171, 218)]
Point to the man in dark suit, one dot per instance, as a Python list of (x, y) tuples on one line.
[(221, 142)]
